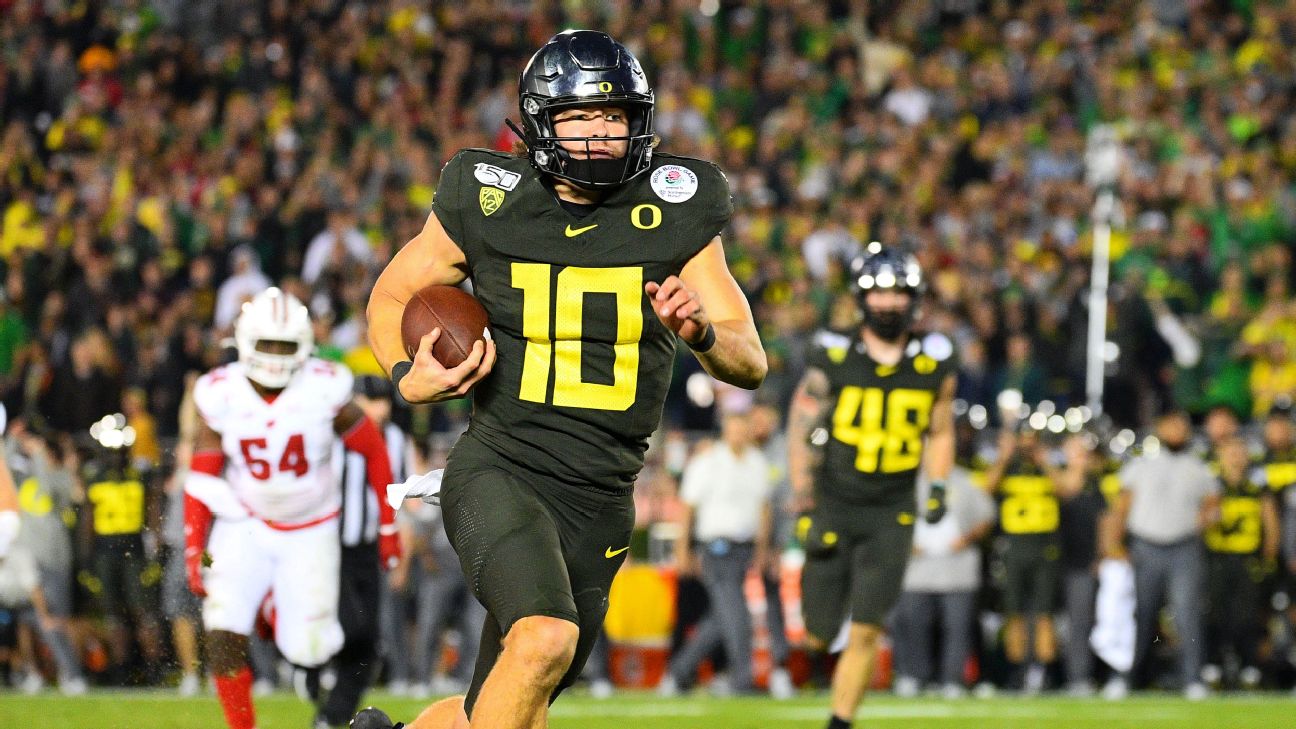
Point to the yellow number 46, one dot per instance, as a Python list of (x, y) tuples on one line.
[(562, 353)]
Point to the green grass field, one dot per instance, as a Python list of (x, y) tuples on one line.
[(155, 710)]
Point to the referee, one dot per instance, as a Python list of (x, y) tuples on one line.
[(362, 576)]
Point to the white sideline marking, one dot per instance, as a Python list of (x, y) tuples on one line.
[(935, 710)]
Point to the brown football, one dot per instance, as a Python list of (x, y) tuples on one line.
[(461, 318)]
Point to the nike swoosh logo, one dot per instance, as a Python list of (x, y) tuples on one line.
[(573, 232), (610, 554)]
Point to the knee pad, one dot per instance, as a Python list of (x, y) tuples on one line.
[(309, 644)]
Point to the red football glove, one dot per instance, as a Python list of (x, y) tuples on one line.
[(389, 547)]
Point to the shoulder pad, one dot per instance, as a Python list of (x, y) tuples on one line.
[(1258, 476), (331, 382), (831, 340), (937, 346), (211, 394)]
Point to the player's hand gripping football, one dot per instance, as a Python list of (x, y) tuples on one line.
[(430, 381), (679, 308)]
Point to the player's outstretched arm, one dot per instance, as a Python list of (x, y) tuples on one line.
[(430, 258), (808, 406), (707, 309)]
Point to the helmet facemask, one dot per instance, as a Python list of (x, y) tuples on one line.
[(274, 338), (546, 151), (883, 269), (583, 68)]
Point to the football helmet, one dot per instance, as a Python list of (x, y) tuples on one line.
[(880, 267), (273, 316), (582, 68)]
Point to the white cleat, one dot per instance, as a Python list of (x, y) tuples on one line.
[(780, 684), (32, 683), (74, 687), (906, 687), (601, 689), (1117, 689), (668, 688)]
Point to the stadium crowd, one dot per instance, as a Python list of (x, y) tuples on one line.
[(161, 161)]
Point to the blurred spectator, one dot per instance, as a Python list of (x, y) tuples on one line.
[(1220, 426), (181, 607), (1168, 498), (726, 488), (940, 590), (763, 421), (43, 473), (1242, 550), (333, 248), (1278, 469), (245, 281), (86, 389), (1027, 485), (118, 497), (1084, 489)]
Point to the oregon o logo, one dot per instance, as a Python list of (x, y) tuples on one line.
[(605, 87), (654, 216)]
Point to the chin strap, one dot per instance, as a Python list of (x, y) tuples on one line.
[(518, 131)]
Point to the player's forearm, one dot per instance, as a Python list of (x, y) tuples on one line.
[(764, 527), (800, 461), (1111, 527), (8, 492), (384, 320), (684, 543), (940, 455), (737, 356), (1271, 527), (995, 474)]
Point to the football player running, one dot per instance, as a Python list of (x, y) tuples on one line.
[(261, 501), (883, 398), (592, 253)]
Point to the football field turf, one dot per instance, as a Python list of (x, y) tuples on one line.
[(159, 710)]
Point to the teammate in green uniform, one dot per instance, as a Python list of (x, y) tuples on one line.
[(1026, 483), (1241, 553), (885, 398), (592, 254)]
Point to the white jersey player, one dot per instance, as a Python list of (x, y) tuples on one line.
[(261, 500)]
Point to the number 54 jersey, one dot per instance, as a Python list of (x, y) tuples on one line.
[(583, 364), (278, 453), (878, 417)]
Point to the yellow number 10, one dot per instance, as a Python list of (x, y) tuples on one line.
[(563, 350)]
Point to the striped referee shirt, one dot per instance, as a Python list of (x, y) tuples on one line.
[(359, 518)]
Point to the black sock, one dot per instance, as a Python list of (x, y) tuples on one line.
[(820, 675), (838, 723)]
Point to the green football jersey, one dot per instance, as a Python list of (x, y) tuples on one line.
[(583, 362), (878, 417), (1240, 529), (1028, 502)]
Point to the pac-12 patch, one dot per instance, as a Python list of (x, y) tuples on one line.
[(673, 183)]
